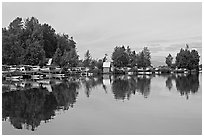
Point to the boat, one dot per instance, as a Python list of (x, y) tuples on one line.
[(44, 81), (130, 73), (14, 78), (148, 72), (157, 72), (141, 72), (59, 75), (35, 68), (12, 68), (36, 76), (45, 69)]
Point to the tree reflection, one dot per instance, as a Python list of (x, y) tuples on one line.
[(169, 84), (27, 108), (187, 84), (123, 87), (143, 86), (65, 94), (90, 83)]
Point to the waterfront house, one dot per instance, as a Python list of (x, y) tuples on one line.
[(106, 67)]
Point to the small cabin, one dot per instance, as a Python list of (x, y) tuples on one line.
[(106, 67)]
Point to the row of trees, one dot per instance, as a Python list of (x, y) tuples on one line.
[(29, 42), (123, 57), (186, 58)]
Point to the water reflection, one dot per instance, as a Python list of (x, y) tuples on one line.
[(90, 83), (25, 104), (185, 84), (169, 84), (27, 108), (124, 86)]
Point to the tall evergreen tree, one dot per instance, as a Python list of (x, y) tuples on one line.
[(169, 60)]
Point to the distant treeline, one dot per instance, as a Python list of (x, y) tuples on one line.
[(28, 42)]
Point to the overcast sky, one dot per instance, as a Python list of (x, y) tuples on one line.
[(163, 27)]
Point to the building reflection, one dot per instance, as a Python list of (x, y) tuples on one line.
[(185, 84), (26, 108)]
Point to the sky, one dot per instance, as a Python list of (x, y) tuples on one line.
[(99, 27)]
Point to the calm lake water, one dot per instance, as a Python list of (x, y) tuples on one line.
[(166, 104)]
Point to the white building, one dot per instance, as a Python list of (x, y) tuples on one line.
[(106, 67)]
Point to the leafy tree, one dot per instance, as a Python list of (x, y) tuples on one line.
[(194, 61), (49, 40), (64, 43), (35, 54), (80, 63), (73, 58), (187, 59), (87, 59), (69, 58), (12, 51), (147, 56), (144, 58), (100, 64), (133, 59), (140, 61), (33, 30), (29, 42), (93, 63), (33, 33), (169, 60), (128, 50), (120, 57), (16, 26), (182, 58), (57, 56)]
